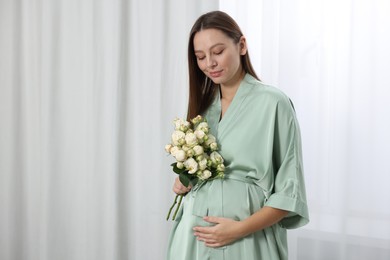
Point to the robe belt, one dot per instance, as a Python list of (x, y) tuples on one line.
[(206, 194)]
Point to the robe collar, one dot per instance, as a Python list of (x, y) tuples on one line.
[(231, 115)]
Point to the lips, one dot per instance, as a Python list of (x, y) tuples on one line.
[(215, 74)]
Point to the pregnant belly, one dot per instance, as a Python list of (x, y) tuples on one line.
[(230, 198)]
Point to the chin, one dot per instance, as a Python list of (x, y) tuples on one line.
[(217, 80)]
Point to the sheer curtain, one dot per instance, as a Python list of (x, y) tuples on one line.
[(87, 93), (332, 58)]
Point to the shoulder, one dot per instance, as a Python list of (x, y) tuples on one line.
[(265, 94)]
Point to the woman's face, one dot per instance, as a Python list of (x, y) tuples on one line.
[(218, 56)]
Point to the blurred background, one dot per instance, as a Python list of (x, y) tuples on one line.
[(89, 89)]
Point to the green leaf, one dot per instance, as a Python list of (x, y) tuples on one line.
[(184, 179), (177, 170), (194, 181)]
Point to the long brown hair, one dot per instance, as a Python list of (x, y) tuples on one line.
[(202, 89)]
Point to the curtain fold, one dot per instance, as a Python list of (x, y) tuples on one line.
[(87, 93), (331, 58)]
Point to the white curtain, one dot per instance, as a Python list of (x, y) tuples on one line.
[(88, 90), (332, 58)]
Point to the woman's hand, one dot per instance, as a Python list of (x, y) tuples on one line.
[(224, 232), (179, 188)]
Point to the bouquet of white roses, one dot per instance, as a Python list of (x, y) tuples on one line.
[(195, 151)]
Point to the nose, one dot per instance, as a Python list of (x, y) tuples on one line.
[(211, 63)]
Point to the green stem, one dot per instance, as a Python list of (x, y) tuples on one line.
[(177, 208), (170, 209)]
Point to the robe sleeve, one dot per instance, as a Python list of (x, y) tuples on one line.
[(289, 187)]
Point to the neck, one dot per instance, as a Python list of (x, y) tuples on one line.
[(228, 91)]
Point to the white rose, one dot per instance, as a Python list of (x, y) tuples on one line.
[(190, 153), (200, 134), (213, 146), (199, 157), (205, 175), (191, 139), (191, 165), (180, 165), (198, 150), (216, 158), (203, 127), (184, 127), (174, 150), (203, 164), (181, 124), (168, 148), (180, 156), (197, 119), (210, 139), (185, 148), (221, 167), (178, 137), (177, 123)]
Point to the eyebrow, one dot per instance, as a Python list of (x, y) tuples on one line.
[(215, 45)]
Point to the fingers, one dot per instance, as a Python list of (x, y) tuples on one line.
[(202, 230), (209, 230), (212, 219), (222, 233), (213, 244), (205, 234), (209, 238), (179, 188)]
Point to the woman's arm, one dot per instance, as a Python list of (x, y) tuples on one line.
[(226, 231)]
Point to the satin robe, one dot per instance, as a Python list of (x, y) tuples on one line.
[(259, 139)]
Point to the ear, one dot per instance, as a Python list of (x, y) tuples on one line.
[(242, 45)]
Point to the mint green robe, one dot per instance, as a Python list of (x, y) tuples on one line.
[(260, 141)]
